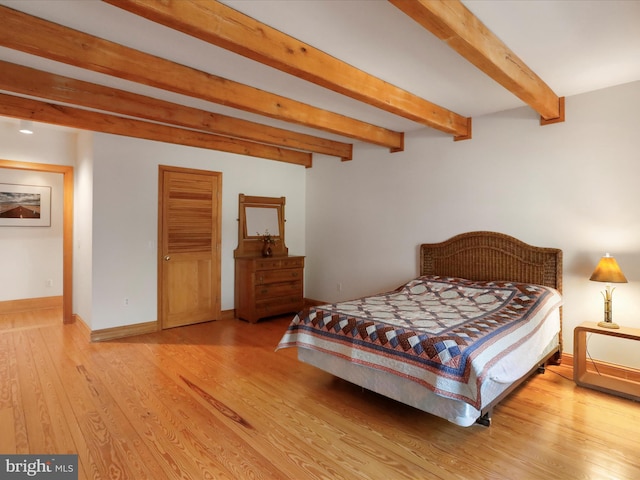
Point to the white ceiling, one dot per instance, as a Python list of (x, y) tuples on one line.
[(575, 46)]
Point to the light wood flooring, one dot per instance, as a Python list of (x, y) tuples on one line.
[(215, 401)]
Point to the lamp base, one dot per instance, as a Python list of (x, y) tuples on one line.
[(608, 324)]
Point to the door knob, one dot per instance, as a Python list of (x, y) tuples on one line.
[(167, 258)]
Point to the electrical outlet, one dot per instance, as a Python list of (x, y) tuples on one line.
[(49, 283), (339, 286), (126, 302)]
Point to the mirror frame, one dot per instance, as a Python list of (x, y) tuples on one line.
[(251, 245)]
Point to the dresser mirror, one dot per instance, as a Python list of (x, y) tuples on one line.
[(261, 220), (258, 216)]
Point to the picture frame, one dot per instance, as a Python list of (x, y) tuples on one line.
[(25, 205)]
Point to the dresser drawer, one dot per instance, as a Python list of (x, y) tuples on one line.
[(267, 263), (285, 262), (275, 276), (271, 290), (292, 262), (275, 306)]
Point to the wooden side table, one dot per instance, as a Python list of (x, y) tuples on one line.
[(604, 383)]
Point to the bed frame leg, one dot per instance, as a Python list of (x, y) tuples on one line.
[(556, 359), (484, 419)]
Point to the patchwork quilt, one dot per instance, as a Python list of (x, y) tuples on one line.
[(444, 333)]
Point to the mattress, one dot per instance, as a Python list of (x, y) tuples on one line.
[(415, 395), (434, 338)]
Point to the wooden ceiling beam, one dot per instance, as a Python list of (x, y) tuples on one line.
[(225, 27), (453, 23), (36, 83), (38, 111), (49, 40)]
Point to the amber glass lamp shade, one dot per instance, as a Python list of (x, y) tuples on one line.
[(608, 271)]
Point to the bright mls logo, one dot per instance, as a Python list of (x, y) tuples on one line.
[(50, 467)]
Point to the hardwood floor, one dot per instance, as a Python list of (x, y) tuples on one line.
[(215, 401)]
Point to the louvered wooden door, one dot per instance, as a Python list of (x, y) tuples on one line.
[(189, 246)]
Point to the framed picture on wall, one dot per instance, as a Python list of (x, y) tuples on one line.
[(25, 205)]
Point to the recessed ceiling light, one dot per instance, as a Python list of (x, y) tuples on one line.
[(26, 126)]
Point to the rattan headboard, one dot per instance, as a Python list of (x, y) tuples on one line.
[(492, 256)]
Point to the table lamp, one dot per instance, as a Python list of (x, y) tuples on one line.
[(609, 272)]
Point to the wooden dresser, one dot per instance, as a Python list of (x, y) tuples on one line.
[(267, 286)]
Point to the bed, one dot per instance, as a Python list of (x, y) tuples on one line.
[(483, 315)]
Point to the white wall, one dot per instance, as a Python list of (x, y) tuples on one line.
[(125, 202), (30, 256), (572, 185), (83, 229)]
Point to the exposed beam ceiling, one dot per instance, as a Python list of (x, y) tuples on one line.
[(20, 107), (286, 79), (225, 27), (49, 40), (35, 83), (453, 23)]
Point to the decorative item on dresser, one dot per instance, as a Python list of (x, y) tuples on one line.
[(268, 281), (267, 244)]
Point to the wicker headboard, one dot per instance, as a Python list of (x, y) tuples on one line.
[(492, 256)]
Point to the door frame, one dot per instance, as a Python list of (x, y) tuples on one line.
[(67, 226), (218, 235)]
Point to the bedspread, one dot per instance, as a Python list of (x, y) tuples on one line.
[(444, 333)]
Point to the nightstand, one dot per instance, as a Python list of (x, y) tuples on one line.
[(604, 383)]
